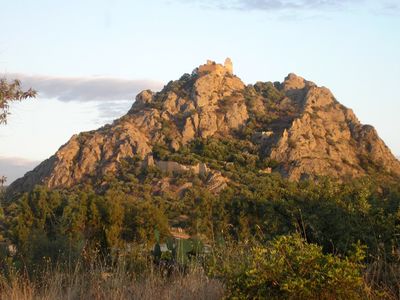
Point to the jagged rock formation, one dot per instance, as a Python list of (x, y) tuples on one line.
[(327, 138), (296, 123)]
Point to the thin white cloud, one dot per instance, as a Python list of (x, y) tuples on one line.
[(391, 8), (15, 167), (84, 88), (110, 110), (290, 5), (274, 5), (111, 97)]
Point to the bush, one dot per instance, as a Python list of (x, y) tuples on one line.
[(290, 268)]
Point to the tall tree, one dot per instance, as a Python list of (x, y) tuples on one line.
[(9, 92)]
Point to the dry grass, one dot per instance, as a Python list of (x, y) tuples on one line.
[(98, 282), (139, 278), (385, 277)]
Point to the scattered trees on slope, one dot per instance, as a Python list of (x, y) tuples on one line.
[(124, 210)]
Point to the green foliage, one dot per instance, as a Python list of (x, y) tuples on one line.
[(60, 224), (253, 225), (9, 92), (269, 91), (290, 268), (120, 215)]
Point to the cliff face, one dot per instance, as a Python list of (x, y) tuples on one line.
[(327, 138), (297, 124)]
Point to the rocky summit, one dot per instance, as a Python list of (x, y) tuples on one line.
[(297, 128)]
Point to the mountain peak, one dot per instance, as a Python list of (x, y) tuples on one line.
[(295, 82), (296, 124)]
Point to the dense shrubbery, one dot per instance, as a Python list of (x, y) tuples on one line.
[(122, 212), (289, 268)]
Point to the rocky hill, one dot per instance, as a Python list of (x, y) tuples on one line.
[(295, 128)]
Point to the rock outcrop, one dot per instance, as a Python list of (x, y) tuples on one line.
[(327, 138), (296, 123)]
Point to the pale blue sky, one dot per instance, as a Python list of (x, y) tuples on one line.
[(83, 57)]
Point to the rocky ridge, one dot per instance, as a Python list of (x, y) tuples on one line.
[(298, 125)]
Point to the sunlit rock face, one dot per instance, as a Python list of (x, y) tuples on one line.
[(299, 125)]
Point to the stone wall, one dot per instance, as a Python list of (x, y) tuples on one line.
[(213, 67)]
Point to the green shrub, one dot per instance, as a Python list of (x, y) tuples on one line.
[(290, 268)]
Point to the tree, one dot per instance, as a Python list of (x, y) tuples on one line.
[(9, 92), (3, 180)]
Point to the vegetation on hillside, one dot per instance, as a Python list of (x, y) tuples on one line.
[(262, 236), (320, 230)]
